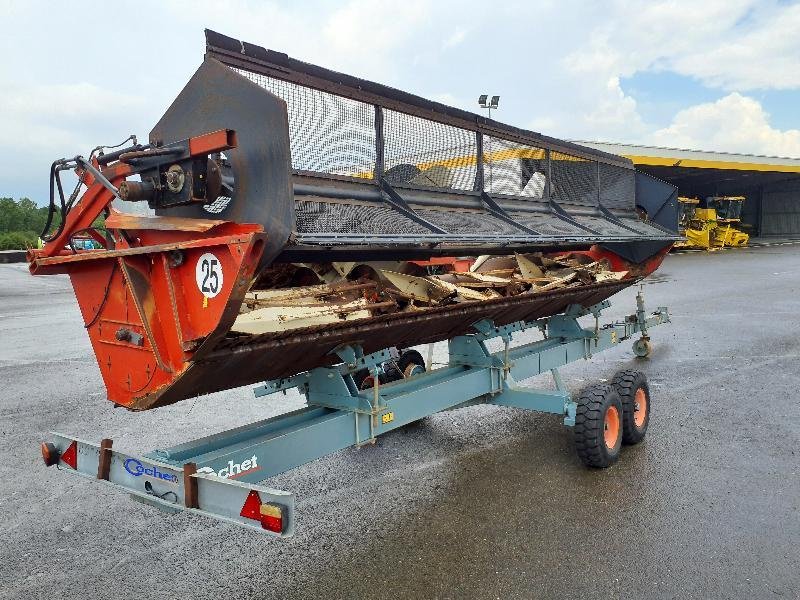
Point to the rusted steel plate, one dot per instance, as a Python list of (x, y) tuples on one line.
[(120, 220), (244, 360)]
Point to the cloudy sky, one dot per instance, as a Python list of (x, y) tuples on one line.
[(717, 74)]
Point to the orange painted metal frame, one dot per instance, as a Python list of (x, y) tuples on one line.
[(94, 200), (144, 312), (143, 309)]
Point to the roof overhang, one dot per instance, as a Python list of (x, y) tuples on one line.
[(698, 159), (702, 173)]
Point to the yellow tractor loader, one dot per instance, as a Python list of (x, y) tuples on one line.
[(713, 226)]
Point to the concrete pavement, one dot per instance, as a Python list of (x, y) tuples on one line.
[(481, 502)]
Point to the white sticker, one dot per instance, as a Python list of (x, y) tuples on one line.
[(208, 274)]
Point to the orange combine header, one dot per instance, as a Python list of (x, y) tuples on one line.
[(343, 212)]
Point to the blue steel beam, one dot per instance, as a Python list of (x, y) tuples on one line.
[(339, 416), (213, 476), (164, 486)]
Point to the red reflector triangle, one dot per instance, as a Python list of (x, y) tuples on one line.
[(70, 456), (252, 506)]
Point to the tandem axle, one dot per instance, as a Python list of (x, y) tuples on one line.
[(365, 396)]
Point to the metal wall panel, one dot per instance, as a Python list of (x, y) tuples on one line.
[(781, 209)]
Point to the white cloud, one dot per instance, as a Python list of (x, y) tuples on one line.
[(620, 38), (364, 33), (43, 122), (730, 44), (454, 39), (54, 103), (735, 123), (763, 55), (735, 45), (359, 37), (613, 108), (58, 107), (558, 65)]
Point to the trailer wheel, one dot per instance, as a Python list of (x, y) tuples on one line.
[(411, 363), (598, 426), (635, 395), (642, 348)]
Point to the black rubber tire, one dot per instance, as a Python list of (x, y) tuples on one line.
[(410, 357), (593, 404), (627, 383), (359, 377), (392, 370)]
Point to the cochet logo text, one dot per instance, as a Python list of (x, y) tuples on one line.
[(233, 469), (136, 468)]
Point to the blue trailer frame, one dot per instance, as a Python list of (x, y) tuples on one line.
[(216, 475)]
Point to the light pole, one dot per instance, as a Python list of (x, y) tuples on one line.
[(485, 102)]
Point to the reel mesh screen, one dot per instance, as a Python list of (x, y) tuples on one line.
[(513, 169), (574, 179), (345, 218), (468, 222), (333, 135), (327, 133), (546, 224), (423, 153), (602, 226), (642, 227), (617, 186)]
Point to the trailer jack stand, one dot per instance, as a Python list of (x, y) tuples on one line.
[(215, 476)]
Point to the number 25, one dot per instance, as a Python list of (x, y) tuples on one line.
[(211, 278)]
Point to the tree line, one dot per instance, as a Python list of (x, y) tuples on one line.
[(21, 222)]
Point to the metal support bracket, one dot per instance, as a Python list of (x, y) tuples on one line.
[(609, 216), (497, 211), (556, 402), (562, 214), (171, 487), (641, 317), (397, 202)]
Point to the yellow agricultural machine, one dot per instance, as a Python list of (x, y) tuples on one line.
[(713, 226)]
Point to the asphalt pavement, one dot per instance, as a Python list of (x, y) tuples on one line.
[(481, 502)]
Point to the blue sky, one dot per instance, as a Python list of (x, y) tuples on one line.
[(661, 94), (719, 74)]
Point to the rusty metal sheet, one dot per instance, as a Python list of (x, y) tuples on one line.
[(218, 98), (247, 359), (119, 220)]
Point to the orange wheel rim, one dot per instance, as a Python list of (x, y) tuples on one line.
[(611, 427), (639, 407)]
